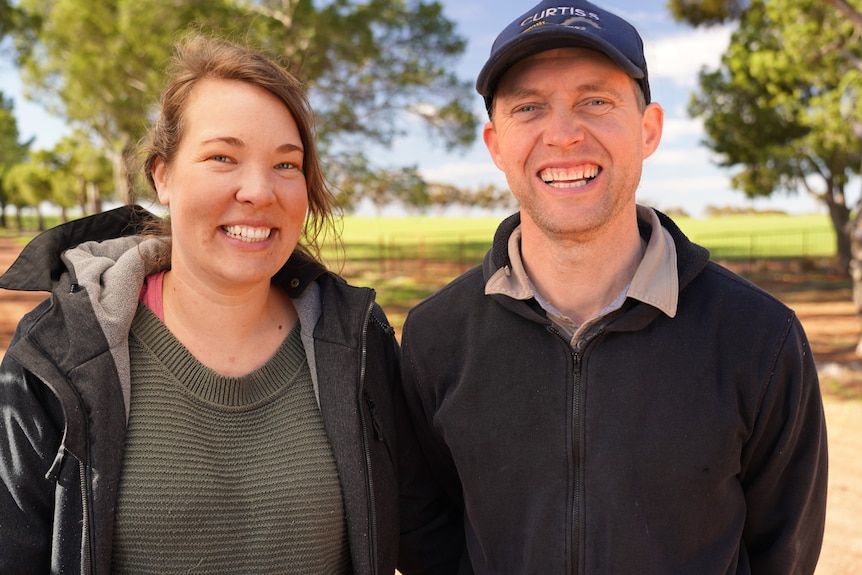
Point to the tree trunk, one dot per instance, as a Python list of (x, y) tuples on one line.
[(121, 177), (839, 213)]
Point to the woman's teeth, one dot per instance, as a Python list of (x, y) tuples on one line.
[(247, 233)]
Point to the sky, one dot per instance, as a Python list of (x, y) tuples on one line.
[(681, 174)]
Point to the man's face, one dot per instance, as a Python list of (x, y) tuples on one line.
[(569, 133)]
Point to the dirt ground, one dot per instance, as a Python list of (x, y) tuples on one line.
[(822, 302)]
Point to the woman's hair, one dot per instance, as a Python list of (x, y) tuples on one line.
[(204, 58)]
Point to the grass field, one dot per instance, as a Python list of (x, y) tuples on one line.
[(365, 229), (741, 236)]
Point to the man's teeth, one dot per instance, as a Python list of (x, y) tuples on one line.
[(569, 178), (247, 233)]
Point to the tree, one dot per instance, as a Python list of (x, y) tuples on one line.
[(444, 195), (29, 184), (784, 107), (9, 17), (709, 12), (490, 196), (706, 12), (815, 84), (11, 151), (83, 174), (368, 65)]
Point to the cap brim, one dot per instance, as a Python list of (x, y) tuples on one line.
[(528, 44)]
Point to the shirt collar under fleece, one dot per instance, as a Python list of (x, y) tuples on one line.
[(655, 281)]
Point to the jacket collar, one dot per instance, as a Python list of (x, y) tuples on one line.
[(691, 258)]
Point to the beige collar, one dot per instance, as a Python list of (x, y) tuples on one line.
[(655, 281)]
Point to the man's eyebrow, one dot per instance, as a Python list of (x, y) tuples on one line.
[(519, 93), (527, 92)]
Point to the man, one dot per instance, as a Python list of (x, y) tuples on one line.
[(598, 397)]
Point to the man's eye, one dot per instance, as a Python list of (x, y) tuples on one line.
[(527, 108)]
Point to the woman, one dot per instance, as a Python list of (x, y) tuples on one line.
[(215, 401)]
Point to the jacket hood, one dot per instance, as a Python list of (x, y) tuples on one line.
[(39, 266)]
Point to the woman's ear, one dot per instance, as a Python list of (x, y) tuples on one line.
[(160, 179)]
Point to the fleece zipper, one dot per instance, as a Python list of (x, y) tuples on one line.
[(87, 540), (577, 456), (369, 479), (578, 352)]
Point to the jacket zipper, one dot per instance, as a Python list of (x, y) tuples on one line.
[(578, 352), (372, 514), (86, 542), (576, 446), (574, 558)]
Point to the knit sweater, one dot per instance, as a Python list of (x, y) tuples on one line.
[(225, 474)]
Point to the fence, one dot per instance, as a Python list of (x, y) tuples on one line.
[(769, 244), (420, 255), (444, 256)]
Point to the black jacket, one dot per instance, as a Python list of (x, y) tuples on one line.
[(64, 407), (656, 445)]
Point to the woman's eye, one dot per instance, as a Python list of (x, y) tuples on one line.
[(286, 166), (220, 158)]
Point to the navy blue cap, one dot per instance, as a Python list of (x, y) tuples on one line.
[(561, 24)]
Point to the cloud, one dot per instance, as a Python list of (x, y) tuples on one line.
[(464, 173), (679, 57), (681, 128)]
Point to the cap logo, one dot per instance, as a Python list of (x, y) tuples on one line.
[(578, 23), (575, 13)]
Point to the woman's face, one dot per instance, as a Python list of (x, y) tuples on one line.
[(235, 188)]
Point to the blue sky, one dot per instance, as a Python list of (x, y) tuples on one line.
[(680, 174)]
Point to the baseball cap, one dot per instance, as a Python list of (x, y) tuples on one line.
[(560, 24)]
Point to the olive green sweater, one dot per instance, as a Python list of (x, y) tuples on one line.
[(225, 474)]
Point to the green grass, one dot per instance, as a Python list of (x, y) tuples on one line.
[(763, 236), (753, 223), (409, 229), (466, 239), (370, 229)]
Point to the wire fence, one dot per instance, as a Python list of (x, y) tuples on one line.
[(395, 255), (770, 244)]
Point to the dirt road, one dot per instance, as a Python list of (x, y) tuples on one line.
[(826, 321)]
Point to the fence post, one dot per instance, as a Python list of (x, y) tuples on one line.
[(381, 249)]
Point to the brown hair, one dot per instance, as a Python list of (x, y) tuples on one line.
[(199, 58)]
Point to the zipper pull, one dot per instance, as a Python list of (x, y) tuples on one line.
[(378, 432), (54, 471)]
